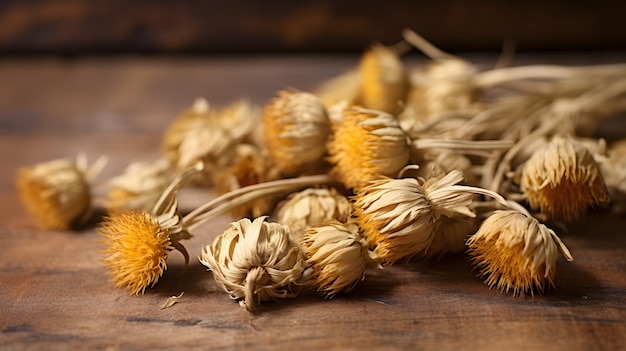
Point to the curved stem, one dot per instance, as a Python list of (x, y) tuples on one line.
[(178, 181), (476, 190), (249, 193), (425, 46)]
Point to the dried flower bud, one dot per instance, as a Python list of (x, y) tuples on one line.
[(338, 256), (383, 80), (312, 207), (137, 245), (56, 193), (366, 145), (398, 215), (140, 186), (344, 87), (562, 180), (255, 261), (208, 135), (435, 163), (516, 253), (296, 129)]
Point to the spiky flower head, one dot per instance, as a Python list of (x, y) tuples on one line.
[(138, 243), (312, 207), (255, 261), (562, 180), (384, 82), (296, 129), (516, 253), (398, 215), (338, 256), (56, 193), (366, 145)]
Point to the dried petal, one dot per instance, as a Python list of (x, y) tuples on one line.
[(563, 180), (255, 261), (366, 145), (516, 253)]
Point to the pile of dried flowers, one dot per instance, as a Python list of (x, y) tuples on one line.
[(379, 165)]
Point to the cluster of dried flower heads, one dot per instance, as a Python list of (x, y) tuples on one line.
[(379, 165)]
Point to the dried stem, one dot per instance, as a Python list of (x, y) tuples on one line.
[(241, 196), (178, 182)]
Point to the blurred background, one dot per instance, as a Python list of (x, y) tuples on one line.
[(71, 27)]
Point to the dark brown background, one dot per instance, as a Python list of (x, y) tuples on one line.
[(155, 26)]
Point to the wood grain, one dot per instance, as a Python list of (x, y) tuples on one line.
[(55, 293)]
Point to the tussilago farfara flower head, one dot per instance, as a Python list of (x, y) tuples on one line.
[(516, 253), (366, 145), (312, 207), (384, 81), (296, 128), (255, 261), (562, 180), (140, 186), (398, 215), (338, 256), (57, 193), (138, 242)]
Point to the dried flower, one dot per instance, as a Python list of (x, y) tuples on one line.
[(383, 80), (344, 87), (338, 256), (296, 129), (366, 145), (208, 135), (255, 261), (57, 192), (398, 215), (562, 180), (138, 242), (140, 186), (516, 253), (312, 207)]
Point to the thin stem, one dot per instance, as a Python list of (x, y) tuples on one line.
[(502, 75), (178, 181), (425, 46), (243, 195), (463, 145), (476, 190)]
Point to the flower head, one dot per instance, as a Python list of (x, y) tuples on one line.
[(563, 180), (516, 253), (255, 261), (137, 242), (137, 247), (366, 145), (398, 215), (338, 256), (296, 129), (384, 81), (56, 193), (310, 208), (140, 186)]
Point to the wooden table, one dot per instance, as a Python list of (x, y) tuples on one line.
[(54, 293)]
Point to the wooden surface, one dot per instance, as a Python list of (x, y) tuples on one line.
[(78, 26), (54, 293)]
